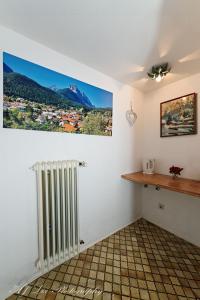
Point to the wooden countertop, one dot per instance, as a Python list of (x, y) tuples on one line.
[(180, 185)]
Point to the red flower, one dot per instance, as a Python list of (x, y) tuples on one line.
[(175, 170)]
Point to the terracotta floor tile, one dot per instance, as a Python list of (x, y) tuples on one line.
[(139, 262)]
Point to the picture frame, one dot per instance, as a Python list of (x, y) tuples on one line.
[(41, 99), (178, 116)]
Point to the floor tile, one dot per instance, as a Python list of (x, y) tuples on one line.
[(141, 261)]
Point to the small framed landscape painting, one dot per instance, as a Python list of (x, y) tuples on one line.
[(179, 116)]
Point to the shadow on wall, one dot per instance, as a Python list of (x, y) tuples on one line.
[(176, 40), (137, 206)]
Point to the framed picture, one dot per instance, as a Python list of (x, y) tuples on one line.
[(179, 116), (37, 98)]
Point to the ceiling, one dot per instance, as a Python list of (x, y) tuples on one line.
[(121, 38)]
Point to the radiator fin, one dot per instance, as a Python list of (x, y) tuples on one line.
[(58, 219)]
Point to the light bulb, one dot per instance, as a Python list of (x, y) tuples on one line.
[(159, 78)]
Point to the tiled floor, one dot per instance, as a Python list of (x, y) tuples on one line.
[(141, 261)]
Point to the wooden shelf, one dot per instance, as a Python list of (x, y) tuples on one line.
[(180, 185)]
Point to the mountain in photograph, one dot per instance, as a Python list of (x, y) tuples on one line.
[(53, 88), (19, 85), (74, 94), (7, 69)]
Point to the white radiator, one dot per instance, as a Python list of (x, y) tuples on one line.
[(58, 219)]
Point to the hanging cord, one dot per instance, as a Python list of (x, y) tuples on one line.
[(131, 116)]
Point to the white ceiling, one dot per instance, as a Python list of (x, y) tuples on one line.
[(121, 38)]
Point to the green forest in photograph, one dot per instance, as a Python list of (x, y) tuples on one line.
[(37, 98)]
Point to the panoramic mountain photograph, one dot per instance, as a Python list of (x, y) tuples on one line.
[(36, 98)]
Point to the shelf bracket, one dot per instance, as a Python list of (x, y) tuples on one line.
[(157, 188)]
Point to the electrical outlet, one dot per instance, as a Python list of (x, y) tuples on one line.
[(161, 206)]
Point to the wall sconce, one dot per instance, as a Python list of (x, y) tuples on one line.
[(159, 71)]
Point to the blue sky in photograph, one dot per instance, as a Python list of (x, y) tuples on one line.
[(49, 78)]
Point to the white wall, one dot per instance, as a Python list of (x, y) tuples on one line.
[(181, 213), (106, 201)]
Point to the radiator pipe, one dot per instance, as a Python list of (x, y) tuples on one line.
[(81, 164)]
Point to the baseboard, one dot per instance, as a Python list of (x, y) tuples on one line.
[(83, 248), (36, 276), (179, 235), (23, 284)]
